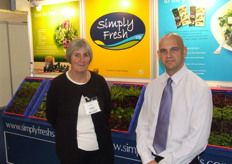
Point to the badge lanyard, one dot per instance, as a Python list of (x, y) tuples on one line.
[(91, 105)]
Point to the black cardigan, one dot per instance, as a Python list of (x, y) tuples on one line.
[(63, 100)]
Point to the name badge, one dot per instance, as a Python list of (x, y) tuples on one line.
[(91, 106)]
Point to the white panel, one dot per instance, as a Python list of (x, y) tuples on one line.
[(19, 53), (22, 5), (5, 80)]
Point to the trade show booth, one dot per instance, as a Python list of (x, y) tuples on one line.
[(124, 36)]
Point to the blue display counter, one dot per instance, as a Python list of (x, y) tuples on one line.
[(28, 136), (2, 143), (216, 155), (28, 140)]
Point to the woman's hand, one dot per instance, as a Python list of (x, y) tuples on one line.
[(152, 162)]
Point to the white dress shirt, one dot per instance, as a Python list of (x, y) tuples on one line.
[(190, 118)]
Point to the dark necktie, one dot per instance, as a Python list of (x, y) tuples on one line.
[(161, 133)]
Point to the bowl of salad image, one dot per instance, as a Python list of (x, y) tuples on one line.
[(221, 25), (65, 33)]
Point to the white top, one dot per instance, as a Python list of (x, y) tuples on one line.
[(86, 135), (190, 118)]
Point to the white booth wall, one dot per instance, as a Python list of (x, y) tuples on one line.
[(14, 58)]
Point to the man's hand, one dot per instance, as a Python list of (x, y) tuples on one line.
[(152, 162)]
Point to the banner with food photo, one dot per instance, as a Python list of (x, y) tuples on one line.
[(53, 28), (206, 28)]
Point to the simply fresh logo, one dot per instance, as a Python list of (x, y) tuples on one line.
[(117, 31)]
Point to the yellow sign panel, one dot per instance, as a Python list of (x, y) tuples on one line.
[(118, 31)]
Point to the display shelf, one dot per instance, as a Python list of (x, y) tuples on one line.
[(40, 104), (30, 129), (25, 97), (221, 133), (124, 104), (131, 127), (124, 141)]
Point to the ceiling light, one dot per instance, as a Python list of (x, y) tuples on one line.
[(36, 5)]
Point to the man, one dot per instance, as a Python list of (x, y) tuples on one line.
[(190, 110)]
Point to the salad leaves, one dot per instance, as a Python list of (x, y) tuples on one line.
[(225, 23)]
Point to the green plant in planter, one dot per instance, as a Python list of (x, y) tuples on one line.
[(126, 113), (222, 139), (41, 112), (217, 113), (227, 113), (221, 131), (31, 85), (23, 97), (124, 100), (117, 92)]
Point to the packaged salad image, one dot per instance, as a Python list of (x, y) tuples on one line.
[(184, 16), (200, 16)]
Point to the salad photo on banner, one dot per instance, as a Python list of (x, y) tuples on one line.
[(53, 28), (206, 28)]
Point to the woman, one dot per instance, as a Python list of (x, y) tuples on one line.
[(78, 107)]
